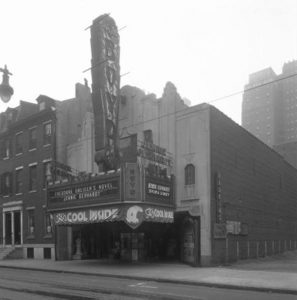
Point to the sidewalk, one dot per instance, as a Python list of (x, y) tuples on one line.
[(276, 274)]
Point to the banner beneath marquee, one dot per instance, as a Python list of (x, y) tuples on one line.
[(133, 215)]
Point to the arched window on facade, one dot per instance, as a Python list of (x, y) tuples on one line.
[(189, 174)]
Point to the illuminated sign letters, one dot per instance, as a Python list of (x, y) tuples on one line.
[(158, 190), (105, 45), (155, 154), (83, 192), (133, 215)]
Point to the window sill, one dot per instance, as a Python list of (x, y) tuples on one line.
[(46, 145), (19, 194), (18, 154), (33, 191), (32, 149), (48, 236), (5, 196), (189, 200), (6, 158)]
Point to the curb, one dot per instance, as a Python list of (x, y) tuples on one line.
[(164, 280)]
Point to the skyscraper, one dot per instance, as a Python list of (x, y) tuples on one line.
[(269, 109)]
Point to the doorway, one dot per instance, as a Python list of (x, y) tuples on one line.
[(190, 242), (17, 227), (8, 230), (12, 230)]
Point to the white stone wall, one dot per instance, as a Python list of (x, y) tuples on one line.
[(80, 155), (38, 250), (193, 147)]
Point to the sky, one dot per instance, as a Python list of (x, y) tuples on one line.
[(206, 48)]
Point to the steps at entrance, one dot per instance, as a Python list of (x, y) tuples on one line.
[(17, 253), (5, 251)]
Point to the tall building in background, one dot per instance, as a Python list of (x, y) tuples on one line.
[(269, 109)]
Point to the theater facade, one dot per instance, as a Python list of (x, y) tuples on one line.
[(126, 211), (126, 214), (171, 183)]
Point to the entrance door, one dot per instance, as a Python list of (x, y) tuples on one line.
[(17, 227), (191, 241), (188, 242), (8, 228), (126, 253), (132, 246), (13, 229)]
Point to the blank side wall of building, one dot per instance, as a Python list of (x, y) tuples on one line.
[(258, 189)]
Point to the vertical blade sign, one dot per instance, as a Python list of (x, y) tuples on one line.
[(105, 46)]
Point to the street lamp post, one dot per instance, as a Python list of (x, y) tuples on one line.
[(6, 91)]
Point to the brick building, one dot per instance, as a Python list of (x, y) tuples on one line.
[(33, 138), (27, 147)]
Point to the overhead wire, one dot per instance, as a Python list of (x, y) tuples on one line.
[(191, 110)]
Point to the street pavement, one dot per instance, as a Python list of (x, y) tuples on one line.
[(276, 274), (18, 284)]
